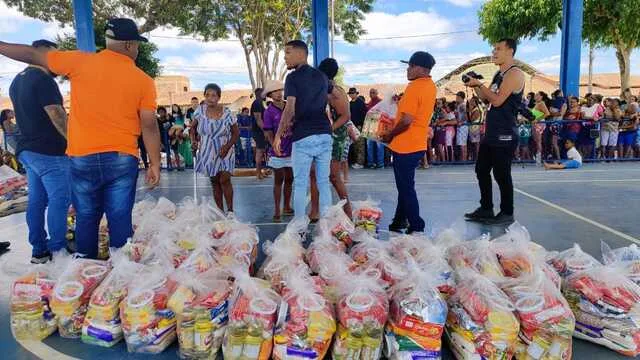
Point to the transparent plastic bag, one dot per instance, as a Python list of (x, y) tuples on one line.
[(323, 245), (306, 321), (362, 312), (31, 294), (481, 321), (141, 209), (606, 305), (149, 326), (571, 261), (367, 249), (339, 224), (284, 255), (627, 259), (417, 315), (546, 320), (380, 119), (102, 325), (200, 260), (238, 246), (478, 255), (367, 215), (202, 309), (252, 319), (72, 292)]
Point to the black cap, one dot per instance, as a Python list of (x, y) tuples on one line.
[(352, 91), (422, 59), (123, 30), (44, 43)]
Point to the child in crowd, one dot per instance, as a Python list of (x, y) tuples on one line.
[(524, 131), (574, 159), (450, 129)]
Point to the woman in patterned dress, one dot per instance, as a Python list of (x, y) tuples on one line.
[(218, 131)]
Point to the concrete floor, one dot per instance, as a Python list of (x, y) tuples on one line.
[(597, 202)]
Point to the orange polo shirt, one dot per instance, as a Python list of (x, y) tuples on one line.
[(107, 93), (418, 101)]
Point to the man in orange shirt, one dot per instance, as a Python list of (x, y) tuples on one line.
[(102, 140), (408, 139)]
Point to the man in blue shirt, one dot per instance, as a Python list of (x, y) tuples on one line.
[(306, 90), (41, 148)]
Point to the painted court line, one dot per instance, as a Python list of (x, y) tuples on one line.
[(578, 216), (43, 351)]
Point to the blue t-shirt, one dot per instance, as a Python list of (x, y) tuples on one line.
[(310, 88), (245, 121), (30, 92)]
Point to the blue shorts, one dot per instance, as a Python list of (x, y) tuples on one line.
[(571, 164), (627, 138)]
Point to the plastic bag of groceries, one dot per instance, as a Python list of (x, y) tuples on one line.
[(478, 255), (546, 320), (102, 325), (284, 255), (188, 213), (10, 180), (367, 249), (31, 295), (627, 259), (323, 245), (238, 245), (153, 229), (481, 322), (381, 118), (417, 314), (252, 318), (340, 226), (215, 218), (606, 305), (200, 260), (141, 209), (367, 215), (571, 261), (306, 321), (362, 312), (148, 324), (392, 270), (200, 303), (331, 269), (429, 258), (73, 291)]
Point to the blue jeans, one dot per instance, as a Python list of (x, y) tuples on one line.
[(166, 145), (312, 148), (375, 153), (103, 183), (48, 180), (408, 208)]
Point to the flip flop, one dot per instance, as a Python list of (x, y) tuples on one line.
[(288, 212), (277, 219)]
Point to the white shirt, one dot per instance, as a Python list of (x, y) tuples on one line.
[(589, 112), (573, 154)]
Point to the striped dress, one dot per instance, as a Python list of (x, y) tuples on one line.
[(214, 134)]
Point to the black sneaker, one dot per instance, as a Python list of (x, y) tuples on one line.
[(4, 245), (398, 227), (479, 214), (41, 259), (412, 231), (501, 219)]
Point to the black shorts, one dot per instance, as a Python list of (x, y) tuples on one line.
[(261, 141)]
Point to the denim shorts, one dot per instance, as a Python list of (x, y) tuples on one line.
[(571, 164)]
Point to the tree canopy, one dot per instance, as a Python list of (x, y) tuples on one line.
[(607, 23)]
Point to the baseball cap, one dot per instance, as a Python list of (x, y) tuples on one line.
[(352, 91), (44, 43), (123, 29), (422, 59)]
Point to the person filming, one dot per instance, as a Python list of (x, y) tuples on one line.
[(498, 145)]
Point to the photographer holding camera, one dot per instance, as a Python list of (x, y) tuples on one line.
[(498, 145)]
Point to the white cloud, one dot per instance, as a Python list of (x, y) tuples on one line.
[(381, 25), (461, 3), (527, 49), (12, 19), (237, 86), (53, 29), (549, 64)]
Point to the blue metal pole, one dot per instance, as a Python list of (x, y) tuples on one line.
[(320, 14), (572, 12), (83, 19)]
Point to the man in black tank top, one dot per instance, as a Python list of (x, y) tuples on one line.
[(498, 145)]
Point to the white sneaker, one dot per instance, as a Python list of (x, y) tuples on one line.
[(357, 166)]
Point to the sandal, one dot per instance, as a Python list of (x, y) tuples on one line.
[(288, 212), (277, 219)]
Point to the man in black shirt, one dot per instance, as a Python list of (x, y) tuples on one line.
[(306, 90), (41, 147), (358, 113), (257, 111), (501, 136)]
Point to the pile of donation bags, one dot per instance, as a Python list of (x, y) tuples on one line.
[(186, 275)]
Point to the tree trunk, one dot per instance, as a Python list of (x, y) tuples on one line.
[(623, 54)]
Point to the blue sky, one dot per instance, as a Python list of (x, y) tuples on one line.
[(454, 23)]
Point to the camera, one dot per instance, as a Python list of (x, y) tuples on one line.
[(471, 75)]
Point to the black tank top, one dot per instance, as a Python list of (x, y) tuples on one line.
[(501, 122)]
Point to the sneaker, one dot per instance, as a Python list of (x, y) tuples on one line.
[(414, 232), (371, 167), (501, 219), (398, 227), (41, 259), (357, 166), (379, 166), (480, 215), (4, 245)]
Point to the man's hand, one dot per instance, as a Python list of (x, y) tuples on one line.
[(153, 176), (276, 145), (473, 83)]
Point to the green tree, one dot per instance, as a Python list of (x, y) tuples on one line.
[(607, 23), (261, 26)]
